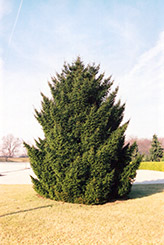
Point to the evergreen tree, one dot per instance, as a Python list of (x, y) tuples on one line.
[(83, 157), (136, 152), (156, 151)]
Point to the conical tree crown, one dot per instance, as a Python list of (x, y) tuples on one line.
[(83, 157), (156, 150)]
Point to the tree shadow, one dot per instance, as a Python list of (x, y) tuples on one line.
[(25, 210), (156, 181), (143, 190)]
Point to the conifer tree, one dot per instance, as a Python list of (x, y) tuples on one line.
[(83, 157), (156, 150), (136, 152)]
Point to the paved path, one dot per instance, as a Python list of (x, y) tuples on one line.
[(15, 173), (19, 173), (149, 177)]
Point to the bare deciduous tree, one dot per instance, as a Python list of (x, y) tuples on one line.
[(143, 144), (10, 145)]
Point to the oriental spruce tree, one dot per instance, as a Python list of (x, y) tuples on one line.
[(156, 150), (83, 157)]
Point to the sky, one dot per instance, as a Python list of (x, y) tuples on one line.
[(125, 37)]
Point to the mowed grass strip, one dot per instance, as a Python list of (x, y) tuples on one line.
[(156, 166), (26, 218)]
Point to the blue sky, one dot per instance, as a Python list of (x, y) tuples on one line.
[(125, 37)]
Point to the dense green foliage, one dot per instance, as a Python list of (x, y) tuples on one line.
[(156, 166), (156, 151), (136, 152), (83, 157)]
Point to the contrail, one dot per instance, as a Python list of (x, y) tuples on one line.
[(16, 19)]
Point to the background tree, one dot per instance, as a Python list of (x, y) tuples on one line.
[(136, 152), (83, 157), (156, 151), (143, 145), (10, 145)]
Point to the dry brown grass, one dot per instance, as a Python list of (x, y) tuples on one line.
[(26, 218), (14, 159)]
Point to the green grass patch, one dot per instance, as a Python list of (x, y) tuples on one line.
[(156, 166), (26, 218)]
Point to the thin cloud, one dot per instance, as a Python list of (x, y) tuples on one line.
[(149, 55), (143, 89), (15, 23), (4, 8)]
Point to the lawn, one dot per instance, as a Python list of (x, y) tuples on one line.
[(26, 218), (157, 166)]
